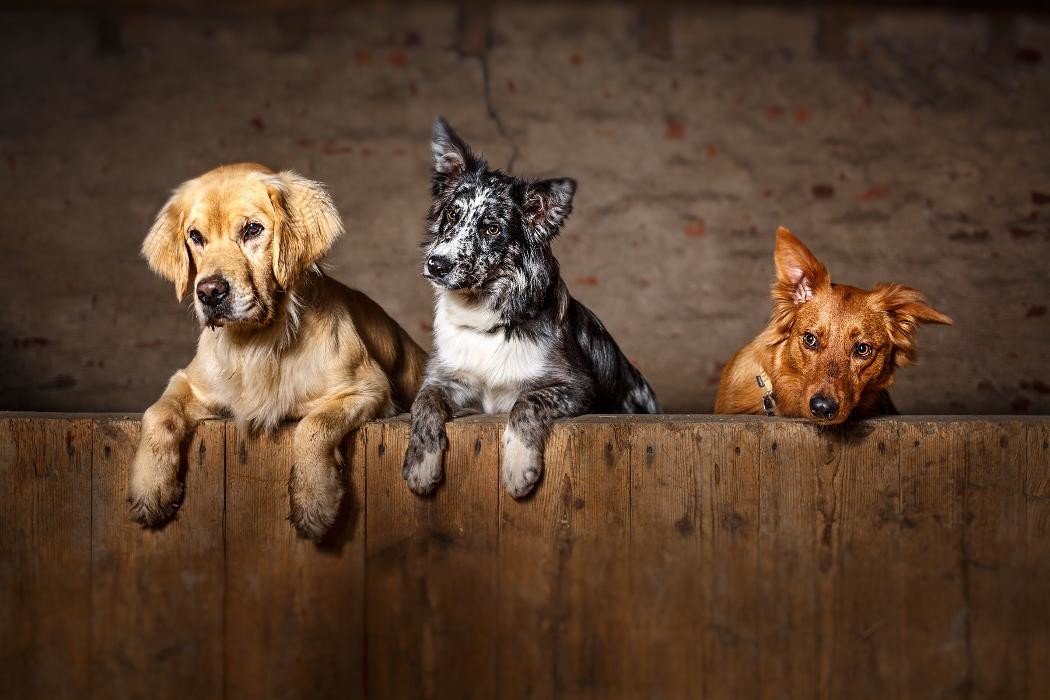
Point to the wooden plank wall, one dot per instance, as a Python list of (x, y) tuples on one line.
[(660, 557)]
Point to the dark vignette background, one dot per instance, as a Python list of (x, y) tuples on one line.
[(904, 144)]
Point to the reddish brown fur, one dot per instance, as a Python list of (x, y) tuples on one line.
[(841, 318)]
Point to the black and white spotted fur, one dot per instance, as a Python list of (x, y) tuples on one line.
[(508, 337)]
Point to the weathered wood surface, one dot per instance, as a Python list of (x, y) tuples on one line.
[(678, 556)]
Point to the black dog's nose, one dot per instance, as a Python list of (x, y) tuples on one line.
[(212, 290), (823, 406), (438, 265)]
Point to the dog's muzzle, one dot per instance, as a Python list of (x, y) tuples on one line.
[(823, 407), (437, 269), (213, 293)]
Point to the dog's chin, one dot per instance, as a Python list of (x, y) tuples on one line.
[(450, 285), (224, 320), (829, 422)]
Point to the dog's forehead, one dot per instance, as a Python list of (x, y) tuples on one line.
[(224, 196), (486, 188), (844, 311)]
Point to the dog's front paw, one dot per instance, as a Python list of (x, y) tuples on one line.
[(424, 468), (154, 492), (314, 495), (522, 465)]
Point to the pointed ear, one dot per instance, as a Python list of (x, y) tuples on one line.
[(165, 247), (905, 309), (547, 204), (306, 224), (452, 156), (799, 273)]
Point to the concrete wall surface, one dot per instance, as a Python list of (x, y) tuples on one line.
[(902, 146)]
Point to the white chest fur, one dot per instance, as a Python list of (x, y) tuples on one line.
[(262, 385), (491, 364)]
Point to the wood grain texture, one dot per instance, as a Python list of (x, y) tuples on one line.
[(730, 491), (564, 570), (667, 605), (432, 584), (993, 556), (1036, 630), (791, 489), (293, 608), (535, 542), (595, 578), (860, 499), (45, 558), (933, 612), (157, 593), (659, 557)]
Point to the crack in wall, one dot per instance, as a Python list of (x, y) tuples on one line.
[(486, 77), (475, 41)]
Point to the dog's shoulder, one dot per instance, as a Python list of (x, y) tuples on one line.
[(361, 322), (589, 334), (621, 387)]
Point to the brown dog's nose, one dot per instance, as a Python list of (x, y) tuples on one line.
[(212, 290), (823, 406)]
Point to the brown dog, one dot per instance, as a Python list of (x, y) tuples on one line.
[(286, 341), (830, 350)]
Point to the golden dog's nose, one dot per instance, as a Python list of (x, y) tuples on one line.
[(212, 290)]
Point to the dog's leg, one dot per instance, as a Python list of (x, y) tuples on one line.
[(424, 460), (527, 430), (315, 484), (153, 487)]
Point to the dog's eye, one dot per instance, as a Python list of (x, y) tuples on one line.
[(809, 339), (862, 349), (451, 214), (493, 230), (251, 230), (196, 236)]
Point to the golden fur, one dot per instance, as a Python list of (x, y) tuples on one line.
[(291, 343), (840, 318)]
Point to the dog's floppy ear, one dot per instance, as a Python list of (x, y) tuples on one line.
[(306, 224), (547, 204), (165, 247), (905, 309), (452, 156), (799, 273)]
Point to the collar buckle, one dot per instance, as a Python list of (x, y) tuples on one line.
[(768, 404)]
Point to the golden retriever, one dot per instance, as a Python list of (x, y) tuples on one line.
[(285, 340)]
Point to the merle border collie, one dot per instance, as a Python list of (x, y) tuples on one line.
[(508, 337)]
